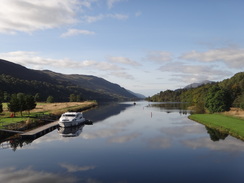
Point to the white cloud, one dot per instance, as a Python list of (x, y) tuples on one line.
[(11, 175), (159, 143), (194, 73), (31, 15), (111, 3), (123, 60), (75, 32), (92, 19), (100, 133), (124, 138), (159, 56), (122, 75), (230, 144), (138, 13), (33, 61), (74, 168), (232, 57)]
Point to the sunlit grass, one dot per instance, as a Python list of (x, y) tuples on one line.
[(233, 126)]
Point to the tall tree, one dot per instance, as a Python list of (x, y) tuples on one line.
[(13, 105), (37, 97), (1, 107), (72, 98), (50, 99), (22, 103), (30, 103), (1, 100)]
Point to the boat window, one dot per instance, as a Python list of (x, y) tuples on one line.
[(69, 115)]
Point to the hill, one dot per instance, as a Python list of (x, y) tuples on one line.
[(234, 86), (15, 78), (195, 85)]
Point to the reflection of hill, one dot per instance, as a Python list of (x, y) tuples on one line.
[(171, 107), (105, 111)]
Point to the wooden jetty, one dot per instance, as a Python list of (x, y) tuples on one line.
[(38, 132), (11, 131)]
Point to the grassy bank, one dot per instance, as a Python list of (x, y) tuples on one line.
[(231, 125), (44, 108)]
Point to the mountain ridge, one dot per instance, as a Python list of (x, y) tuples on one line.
[(17, 78), (195, 85)]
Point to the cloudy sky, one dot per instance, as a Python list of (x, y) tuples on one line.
[(146, 46)]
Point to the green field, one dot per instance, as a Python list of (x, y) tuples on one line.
[(231, 125)]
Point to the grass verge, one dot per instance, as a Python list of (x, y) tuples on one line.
[(227, 124)]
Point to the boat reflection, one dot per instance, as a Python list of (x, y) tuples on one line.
[(74, 131)]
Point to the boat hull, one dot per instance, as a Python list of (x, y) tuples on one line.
[(71, 123)]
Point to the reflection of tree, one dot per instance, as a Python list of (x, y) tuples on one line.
[(104, 111), (170, 107), (216, 135), (18, 143)]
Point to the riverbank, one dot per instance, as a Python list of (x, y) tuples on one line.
[(41, 109), (224, 122), (59, 108)]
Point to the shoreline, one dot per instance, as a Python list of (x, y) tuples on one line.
[(230, 124)]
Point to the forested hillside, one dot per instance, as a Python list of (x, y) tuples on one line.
[(15, 78), (229, 91)]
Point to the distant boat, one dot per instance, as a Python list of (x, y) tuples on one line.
[(69, 119)]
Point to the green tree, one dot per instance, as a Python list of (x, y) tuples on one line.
[(242, 101), (50, 99), (1, 107), (1, 100), (6, 96), (72, 98), (22, 103), (13, 105), (37, 97), (30, 103), (218, 100), (78, 98), (1, 96)]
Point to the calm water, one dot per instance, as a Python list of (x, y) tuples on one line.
[(127, 144)]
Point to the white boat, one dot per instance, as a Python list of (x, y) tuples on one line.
[(69, 119)]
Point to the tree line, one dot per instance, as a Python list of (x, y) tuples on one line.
[(59, 89), (213, 97), (24, 102)]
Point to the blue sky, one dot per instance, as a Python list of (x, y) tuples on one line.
[(146, 46)]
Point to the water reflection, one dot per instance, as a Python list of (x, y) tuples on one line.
[(170, 107), (74, 131), (216, 135), (123, 144), (106, 110), (229, 145), (12, 175)]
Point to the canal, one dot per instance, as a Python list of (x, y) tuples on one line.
[(146, 142)]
